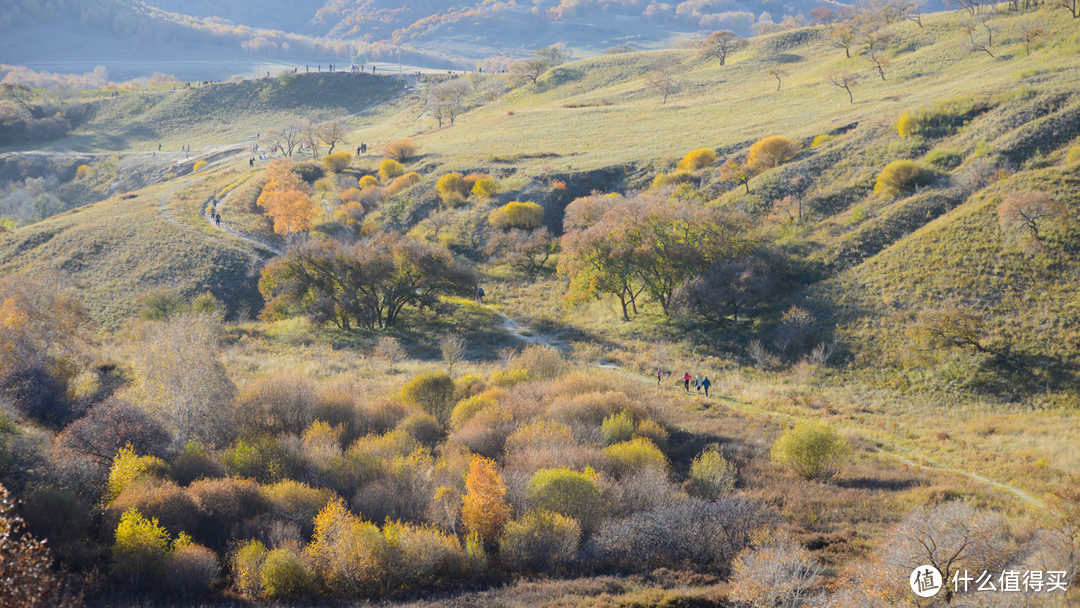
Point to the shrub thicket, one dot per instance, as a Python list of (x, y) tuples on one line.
[(433, 392), (772, 151), (711, 475), (389, 169)]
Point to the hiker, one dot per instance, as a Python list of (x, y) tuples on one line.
[(159, 147), (480, 294), (217, 219), (659, 374), (705, 384), (251, 162), (686, 381), (697, 382), (358, 150)]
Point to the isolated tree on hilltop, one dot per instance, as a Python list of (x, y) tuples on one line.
[(532, 68), (719, 44)]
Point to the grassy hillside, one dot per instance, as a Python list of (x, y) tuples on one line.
[(222, 113), (120, 249)]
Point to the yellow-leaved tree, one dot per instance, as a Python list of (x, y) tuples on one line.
[(484, 509), (285, 199)]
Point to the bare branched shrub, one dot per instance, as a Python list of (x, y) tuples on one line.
[(453, 349), (761, 356), (778, 575), (540, 541), (389, 349), (795, 333), (179, 376), (281, 402), (694, 534)]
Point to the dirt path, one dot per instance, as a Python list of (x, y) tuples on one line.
[(530, 336), (224, 226)]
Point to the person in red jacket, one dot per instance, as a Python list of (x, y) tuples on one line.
[(686, 381)]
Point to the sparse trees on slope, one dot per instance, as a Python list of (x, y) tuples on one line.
[(779, 74), (844, 80), (446, 100), (524, 250), (331, 133), (534, 67)]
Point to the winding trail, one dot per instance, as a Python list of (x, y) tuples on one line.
[(224, 225), (530, 336)]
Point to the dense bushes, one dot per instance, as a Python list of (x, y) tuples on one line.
[(337, 162), (433, 392), (698, 159), (711, 475), (772, 151)]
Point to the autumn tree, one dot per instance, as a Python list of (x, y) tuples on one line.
[(309, 134), (367, 284), (331, 133), (719, 44), (739, 171), (524, 250), (779, 74), (1030, 33), (662, 78), (285, 199), (484, 510), (953, 326), (647, 243), (727, 290), (1070, 5), (1031, 214), (446, 100), (286, 138), (534, 67), (772, 151), (179, 377), (844, 80), (844, 35)]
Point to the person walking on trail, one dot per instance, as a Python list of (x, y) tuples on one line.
[(659, 375), (358, 150), (480, 294), (705, 384), (686, 381), (697, 382), (251, 162)]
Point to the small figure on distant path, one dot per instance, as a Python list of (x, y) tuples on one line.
[(159, 147), (705, 384), (358, 150), (686, 381), (659, 374), (251, 162), (480, 294), (217, 219), (697, 382), (363, 148)]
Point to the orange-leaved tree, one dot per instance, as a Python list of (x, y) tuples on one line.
[(484, 509), (285, 199)]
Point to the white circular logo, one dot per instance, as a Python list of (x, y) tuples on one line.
[(925, 581)]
